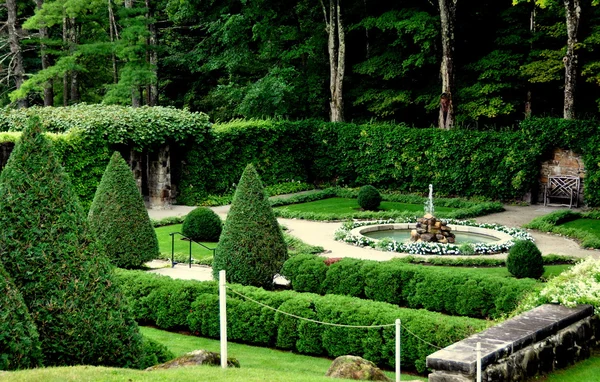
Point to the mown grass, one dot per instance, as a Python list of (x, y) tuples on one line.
[(182, 247), (257, 364), (587, 370), (589, 225), (549, 270), (347, 205)]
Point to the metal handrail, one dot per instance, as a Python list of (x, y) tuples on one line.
[(172, 234)]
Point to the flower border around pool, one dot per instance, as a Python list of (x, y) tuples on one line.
[(390, 245)]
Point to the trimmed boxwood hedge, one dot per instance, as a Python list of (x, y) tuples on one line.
[(193, 305), (453, 291)]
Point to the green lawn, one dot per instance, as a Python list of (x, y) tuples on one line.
[(346, 205), (589, 225), (549, 270), (257, 364), (584, 371), (182, 247)]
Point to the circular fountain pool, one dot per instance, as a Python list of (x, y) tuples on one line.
[(482, 238), (464, 234)]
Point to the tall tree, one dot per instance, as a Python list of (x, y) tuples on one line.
[(573, 18), (49, 86), (447, 21), (16, 68), (336, 47)]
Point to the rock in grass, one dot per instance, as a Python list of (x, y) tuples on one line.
[(196, 357), (352, 367)]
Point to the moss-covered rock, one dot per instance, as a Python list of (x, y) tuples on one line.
[(194, 358), (56, 263), (352, 367), (119, 218), (251, 248)]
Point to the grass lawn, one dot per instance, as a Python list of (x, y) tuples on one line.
[(345, 205), (257, 364), (182, 247), (590, 225), (549, 270), (582, 371)]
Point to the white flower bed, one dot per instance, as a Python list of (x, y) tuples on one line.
[(578, 285), (422, 248)]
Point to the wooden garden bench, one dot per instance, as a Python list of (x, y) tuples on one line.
[(562, 187)]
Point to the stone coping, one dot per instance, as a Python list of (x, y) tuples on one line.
[(502, 237), (507, 338)]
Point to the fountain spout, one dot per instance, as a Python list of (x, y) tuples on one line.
[(429, 203)]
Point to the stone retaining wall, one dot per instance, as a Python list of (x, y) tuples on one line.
[(535, 342)]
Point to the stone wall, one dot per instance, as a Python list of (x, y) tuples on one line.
[(562, 162), (536, 342)]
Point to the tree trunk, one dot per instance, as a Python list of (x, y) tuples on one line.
[(152, 91), (573, 16), (528, 100), (336, 45), (73, 41), (14, 41), (66, 75), (447, 19), (114, 35), (49, 86)]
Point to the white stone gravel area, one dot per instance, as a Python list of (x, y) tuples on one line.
[(322, 234)]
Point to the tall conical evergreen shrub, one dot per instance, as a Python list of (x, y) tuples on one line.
[(251, 248), (119, 218), (19, 339), (57, 265)]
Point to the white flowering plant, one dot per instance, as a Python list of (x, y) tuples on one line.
[(578, 285), (423, 248)]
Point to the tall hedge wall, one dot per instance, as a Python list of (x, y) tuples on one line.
[(495, 164), (193, 306), (500, 165)]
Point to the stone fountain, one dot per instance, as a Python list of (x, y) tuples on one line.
[(430, 229)]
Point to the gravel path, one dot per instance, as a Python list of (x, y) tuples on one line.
[(322, 233)]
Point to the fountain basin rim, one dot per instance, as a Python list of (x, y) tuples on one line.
[(503, 237)]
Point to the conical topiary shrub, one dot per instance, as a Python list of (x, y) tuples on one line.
[(251, 248), (56, 263), (119, 218), (19, 339)]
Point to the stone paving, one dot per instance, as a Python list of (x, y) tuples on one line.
[(322, 233)]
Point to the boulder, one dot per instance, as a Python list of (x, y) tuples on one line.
[(196, 357), (352, 367)]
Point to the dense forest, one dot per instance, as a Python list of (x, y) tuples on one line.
[(477, 64)]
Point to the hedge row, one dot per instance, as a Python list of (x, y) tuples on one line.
[(498, 165), (452, 291), (194, 306)]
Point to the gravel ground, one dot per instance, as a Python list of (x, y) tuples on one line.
[(321, 234)]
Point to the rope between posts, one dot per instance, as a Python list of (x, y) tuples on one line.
[(332, 324), (308, 319)]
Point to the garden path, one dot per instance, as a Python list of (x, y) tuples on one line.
[(322, 233)]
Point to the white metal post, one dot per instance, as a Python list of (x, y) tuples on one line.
[(478, 349), (398, 350), (223, 317)]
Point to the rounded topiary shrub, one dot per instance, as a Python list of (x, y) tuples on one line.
[(525, 260), (202, 224), (369, 198)]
